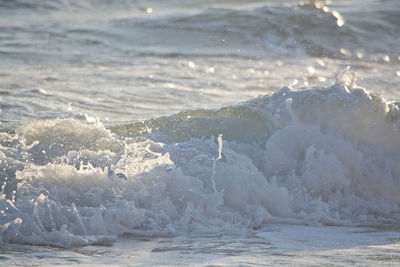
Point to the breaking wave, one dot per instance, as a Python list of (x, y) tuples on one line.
[(316, 156)]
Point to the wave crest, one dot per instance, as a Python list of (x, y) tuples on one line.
[(327, 156)]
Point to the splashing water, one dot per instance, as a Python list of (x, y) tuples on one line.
[(329, 156)]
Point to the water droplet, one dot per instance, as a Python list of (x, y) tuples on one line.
[(345, 52), (311, 70), (318, 4), (191, 65), (386, 59), (339, 18)]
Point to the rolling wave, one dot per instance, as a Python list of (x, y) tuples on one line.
[(316, 156)]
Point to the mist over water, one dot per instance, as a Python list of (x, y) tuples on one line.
[(201, 128)]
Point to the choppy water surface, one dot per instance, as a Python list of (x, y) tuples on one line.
[(213, 133)]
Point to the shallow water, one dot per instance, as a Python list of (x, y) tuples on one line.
[(213, 133), (282, 245)]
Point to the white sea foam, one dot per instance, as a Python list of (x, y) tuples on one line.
[(326, 156)]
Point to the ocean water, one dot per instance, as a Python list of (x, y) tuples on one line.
[(200, 133)]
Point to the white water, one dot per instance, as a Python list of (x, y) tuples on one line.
[(327, 156), (131, 133)]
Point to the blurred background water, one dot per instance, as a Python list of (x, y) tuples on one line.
[(122, 61)]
